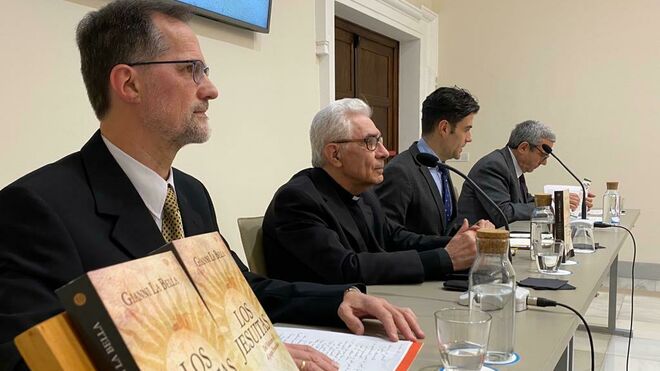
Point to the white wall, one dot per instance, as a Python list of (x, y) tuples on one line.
[(589, 68), (268, 94)]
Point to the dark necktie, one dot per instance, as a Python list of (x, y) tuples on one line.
[(446, 193), (523, 187)]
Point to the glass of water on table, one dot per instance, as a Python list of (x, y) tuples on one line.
[(462, 338), (548, 258)]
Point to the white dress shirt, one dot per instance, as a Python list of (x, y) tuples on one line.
[(149, 185), (519, 171)]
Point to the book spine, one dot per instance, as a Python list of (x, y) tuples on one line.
[(559, 220), (559, 215), (94, 326)]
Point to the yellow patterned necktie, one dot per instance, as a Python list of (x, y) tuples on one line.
[(172, 224)]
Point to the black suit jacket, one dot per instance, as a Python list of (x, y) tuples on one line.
[(495, 173), (82, 213), (411, 199), (310, 235)]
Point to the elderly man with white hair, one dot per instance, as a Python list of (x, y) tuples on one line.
[(327, 225)]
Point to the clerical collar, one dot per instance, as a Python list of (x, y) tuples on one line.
[(343, 193)]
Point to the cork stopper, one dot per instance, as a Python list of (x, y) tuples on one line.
[(612, 186), (542, 199), (493, 241)]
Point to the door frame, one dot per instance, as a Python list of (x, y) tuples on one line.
[(415, 28)]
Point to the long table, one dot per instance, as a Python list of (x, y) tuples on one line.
[(544, 336)]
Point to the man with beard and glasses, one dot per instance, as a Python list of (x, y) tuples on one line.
[(147, 81)]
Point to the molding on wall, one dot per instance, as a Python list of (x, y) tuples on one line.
[(428, 14), (415, 28), (322, 48), (404, 8)]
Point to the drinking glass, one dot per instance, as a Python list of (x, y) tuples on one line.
[(548, 258), (462, 338)]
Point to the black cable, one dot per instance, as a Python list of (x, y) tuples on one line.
[(543, 302), (632, 281), (591, 340)]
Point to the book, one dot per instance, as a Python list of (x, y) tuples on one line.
[(355, 352), (241, 320), (144, 314), (563, 222)]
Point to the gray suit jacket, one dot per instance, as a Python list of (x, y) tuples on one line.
[(410, 197), (495, 173)]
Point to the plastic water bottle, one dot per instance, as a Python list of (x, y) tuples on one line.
[(492, 289), (611, 204), (542, 224)]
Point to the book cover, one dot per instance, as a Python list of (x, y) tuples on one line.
[(242, 322), (144, 314), (563, 222)]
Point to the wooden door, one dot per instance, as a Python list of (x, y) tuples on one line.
[(367, 67)]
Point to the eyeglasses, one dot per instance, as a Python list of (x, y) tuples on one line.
[(542, 152), (198, 68), (371, 141)]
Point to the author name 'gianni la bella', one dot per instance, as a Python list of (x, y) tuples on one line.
[(152, 288)]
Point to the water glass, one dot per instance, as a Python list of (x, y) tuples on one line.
[(549, 256), (462, 338)]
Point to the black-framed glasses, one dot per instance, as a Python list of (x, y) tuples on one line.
[(199, 69), (544, 155), (371, 141)]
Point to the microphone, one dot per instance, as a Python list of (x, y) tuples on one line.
[(548, 150), (430, 160)]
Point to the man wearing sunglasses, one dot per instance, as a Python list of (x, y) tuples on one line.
[(501, 174), (327, 225)]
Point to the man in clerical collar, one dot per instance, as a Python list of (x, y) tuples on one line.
[(327, 225), (119, 198)]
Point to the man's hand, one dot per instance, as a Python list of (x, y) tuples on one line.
[(462, 248), (482, 224), (395, 320), (310, 359), (575, 200), (590, 200)]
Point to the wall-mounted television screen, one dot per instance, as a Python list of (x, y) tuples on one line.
[(251, 14)]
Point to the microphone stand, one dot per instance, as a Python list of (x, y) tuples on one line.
[(479, 190), (548, 150), (430, 160)]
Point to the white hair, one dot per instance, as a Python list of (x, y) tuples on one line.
[(334, 123)]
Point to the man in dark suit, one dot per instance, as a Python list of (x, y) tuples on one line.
[(327, 225), (147, 82), (417, 197), (501, 175)]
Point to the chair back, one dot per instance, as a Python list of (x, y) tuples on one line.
[(252, 237)]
